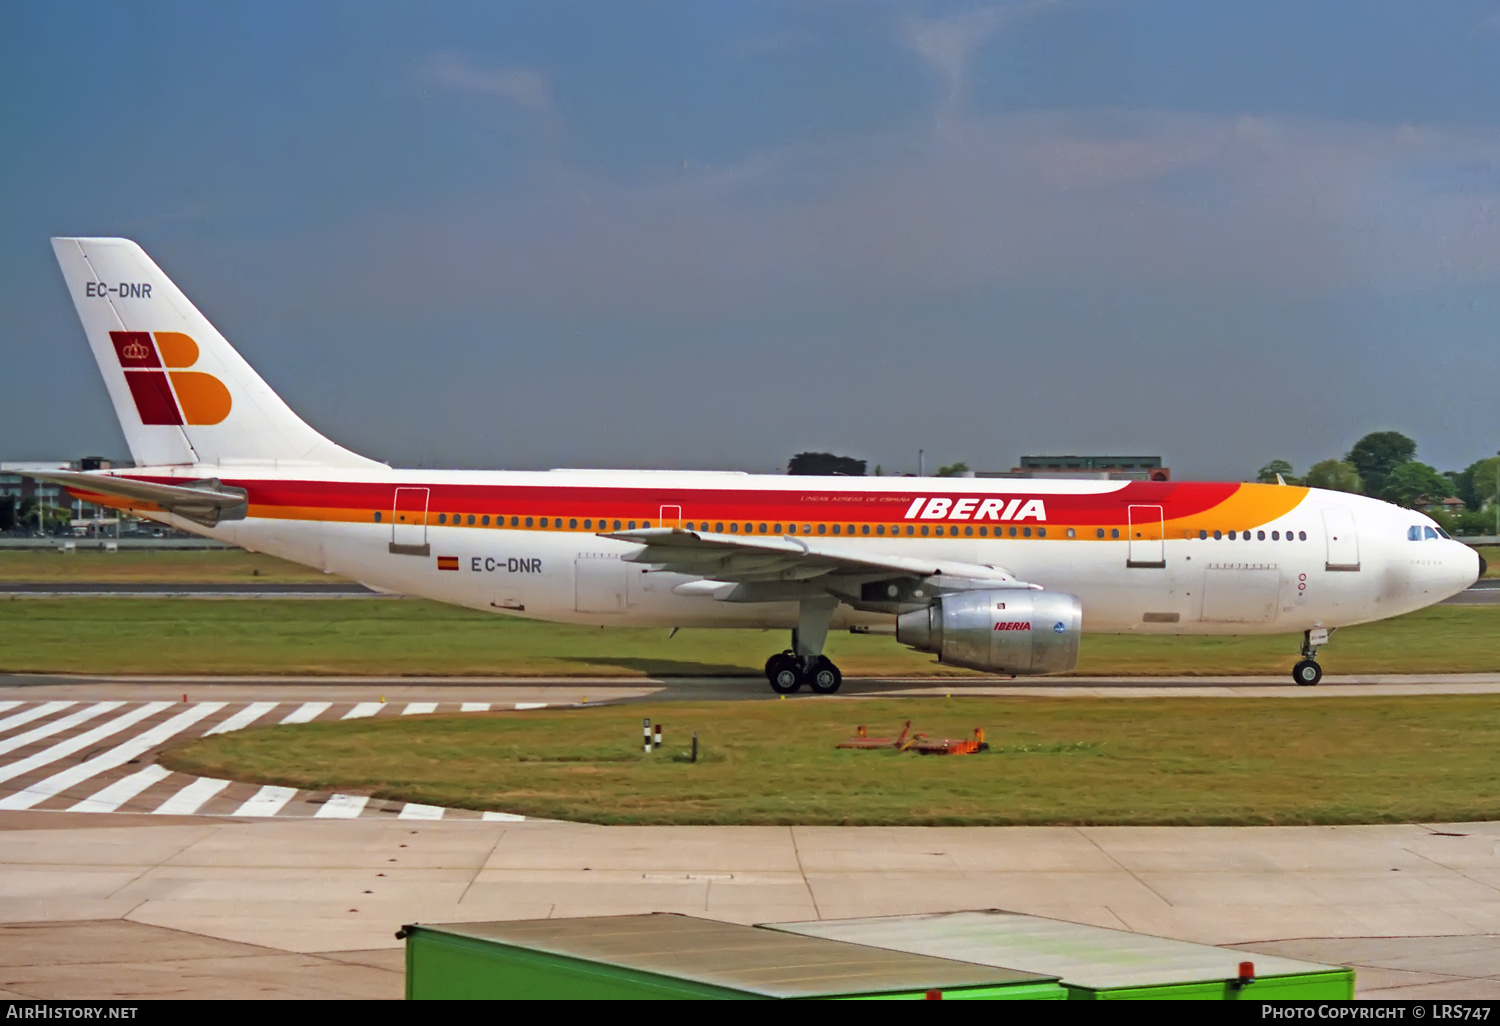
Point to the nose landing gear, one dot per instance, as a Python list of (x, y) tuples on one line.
[(1307, 673)]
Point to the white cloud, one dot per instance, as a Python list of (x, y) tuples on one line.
[(948, 44), (524, 87)]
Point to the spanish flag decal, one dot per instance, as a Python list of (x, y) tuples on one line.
[(447, 562)]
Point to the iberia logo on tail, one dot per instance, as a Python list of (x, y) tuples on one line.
[(165, 391)]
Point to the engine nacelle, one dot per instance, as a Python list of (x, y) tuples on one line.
[(1018, 632)]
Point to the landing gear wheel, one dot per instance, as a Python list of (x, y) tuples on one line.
[(1307, 673), (824, 677), (783, 673)]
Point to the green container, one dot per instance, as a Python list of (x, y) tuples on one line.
[(673, 956), (1093, 963)]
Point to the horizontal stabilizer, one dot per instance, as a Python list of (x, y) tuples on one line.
[(203, 502)]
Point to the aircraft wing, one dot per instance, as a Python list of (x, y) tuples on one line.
[(753, 558), (204, 502)]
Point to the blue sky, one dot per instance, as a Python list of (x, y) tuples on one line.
[(713, 235)]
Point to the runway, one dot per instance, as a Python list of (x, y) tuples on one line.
[(119, 879)]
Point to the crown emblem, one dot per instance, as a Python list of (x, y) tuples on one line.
[(135, 350)]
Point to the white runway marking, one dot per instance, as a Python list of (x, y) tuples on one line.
[(45, 709), (412, 810), (343, 806), (57, 726), (79, 742), (530, 705), (267, 801), (191, 798), (502, 817), (419, 707), (121, 791), (8, 705), (243, 718), (118, 756), (307, 712), (474, 707), (362, 710)]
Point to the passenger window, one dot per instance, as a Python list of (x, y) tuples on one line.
[(734, 528), (572, 523), (377, 516), (851, 528), (1245, 535), (880, 529), (791, 528), (822, 528), (1114, 532), (1260, 536), (762, 528), (969, 531), (1302, 536), (984, 532), (1428, 532), (485, 520), (1099, 533), (1026, 532), (515, 521), (1276, 536), (1041, 532), (528, 521), (442, 518), (778, 528), (718, 528), (617, 525), (924, 530), (588, 525), (864, 528), (837, 529), (632, 525), (1231, 536), (1218, 535), (1012, 532), (909, 530), (471, 520), (1202, 535), (544, 522), (807, 528), (1072, 533)]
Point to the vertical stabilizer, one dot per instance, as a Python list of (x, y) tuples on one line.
[(182, 393)]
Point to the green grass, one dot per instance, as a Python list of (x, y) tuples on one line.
[(1169, 761), (408, 637), (155, 566)]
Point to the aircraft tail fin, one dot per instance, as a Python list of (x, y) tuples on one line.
[(182, 393)]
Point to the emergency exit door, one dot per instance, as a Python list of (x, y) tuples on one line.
[(1147, 547), (1343, 542), (409, 522)]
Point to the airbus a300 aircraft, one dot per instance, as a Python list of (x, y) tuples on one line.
[(997, 575)]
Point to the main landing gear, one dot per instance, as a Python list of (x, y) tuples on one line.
[(1307, 672), (804, 662)]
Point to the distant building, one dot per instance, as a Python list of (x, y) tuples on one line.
[(1099, 468)]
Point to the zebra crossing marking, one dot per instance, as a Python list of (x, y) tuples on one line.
[(521, 706), (243, 718), (414, 810), (78, 742), (191, 798), (121, 791), (195, 793), (57, 726), (266, 802), (307, 712), (343, 806), (116, 756)]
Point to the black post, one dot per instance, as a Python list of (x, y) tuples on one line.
[(695, 747)]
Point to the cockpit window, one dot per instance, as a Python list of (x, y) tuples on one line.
[(1429, 532), (1414, 532), (1444, 534)]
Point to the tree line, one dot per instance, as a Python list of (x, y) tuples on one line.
[(1384, 465)]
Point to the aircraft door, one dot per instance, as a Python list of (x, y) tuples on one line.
[(599, 584), (1147, 545), (409, 523), (1343, 541), (671, 516)]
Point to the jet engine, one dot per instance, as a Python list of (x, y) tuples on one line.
[(1016, 632)]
